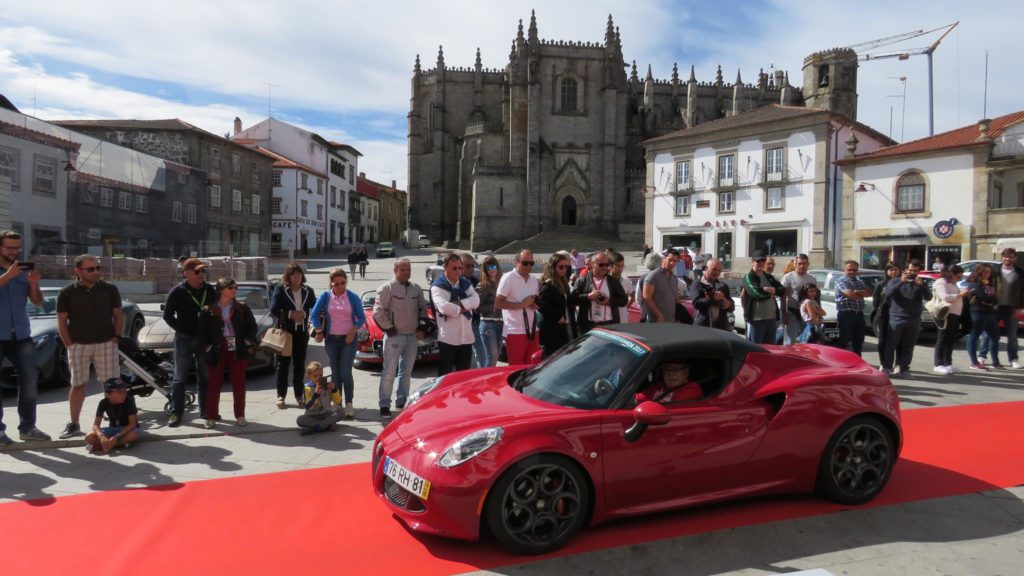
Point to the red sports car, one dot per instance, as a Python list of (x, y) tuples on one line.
[(371, 339), (532, 454)]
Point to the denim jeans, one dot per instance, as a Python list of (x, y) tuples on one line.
[(478, 343), (187, 355), (341, 356), (851, 330), (399, 357), (1010, 326), (981, 322), (762, 331), (22, 354), (810, 333), (900, 341), (794, 327), (490, 342)]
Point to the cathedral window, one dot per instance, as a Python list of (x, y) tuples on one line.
[(568, 95), (910, 192), (823, 75)]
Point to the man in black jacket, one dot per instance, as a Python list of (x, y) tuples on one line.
[(711, 299), (1009, 282), (181, 312), (598, 295)]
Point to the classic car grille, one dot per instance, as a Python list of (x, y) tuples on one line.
[(401, 497)]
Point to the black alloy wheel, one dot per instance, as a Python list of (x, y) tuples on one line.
[(538, 504), (61, 375), (857, 462)]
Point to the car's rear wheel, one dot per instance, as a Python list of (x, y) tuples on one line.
[(538, 504), (857, 462), (137, 326), (61, 375)]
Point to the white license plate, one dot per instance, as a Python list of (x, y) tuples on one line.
[(406, 479)]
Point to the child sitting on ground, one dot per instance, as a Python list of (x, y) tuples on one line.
[(812, 313), (322, 401), (119, 408)]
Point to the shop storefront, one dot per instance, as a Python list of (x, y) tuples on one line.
[(774, 242)]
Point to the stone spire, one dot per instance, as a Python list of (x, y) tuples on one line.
[(649, 89), (634, 77), (416, 67), (478, 64), (519, 35), (718, 76), (650, 76), (693, 75), (609, 33), (533, 27), (739, 81), (440, 58), (618, 38), (675, 73)]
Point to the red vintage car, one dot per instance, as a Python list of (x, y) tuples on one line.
[(371, 339), (532, 454)]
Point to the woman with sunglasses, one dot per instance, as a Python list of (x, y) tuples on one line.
[(337, 316), (227, 330), (558, 315), (490, 326)]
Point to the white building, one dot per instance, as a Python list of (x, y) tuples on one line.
[(760, 180), (343, 165), (297, 224), (957, 196)]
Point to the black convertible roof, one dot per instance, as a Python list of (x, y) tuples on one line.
[(673, 338)]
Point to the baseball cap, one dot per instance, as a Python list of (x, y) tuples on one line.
[(758, 255), (193, 264), (114, 384)]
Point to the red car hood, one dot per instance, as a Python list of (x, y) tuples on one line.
[(475, 401)]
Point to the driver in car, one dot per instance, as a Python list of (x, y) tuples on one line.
[(674, 385)]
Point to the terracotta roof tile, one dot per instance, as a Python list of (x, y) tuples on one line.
[(764, 114)]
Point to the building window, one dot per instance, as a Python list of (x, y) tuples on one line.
[(1006, 196), (106, 197), (275, 205), (725, 202), (277, 177), (337, 168), (910, 193), (773, 164), (10, 160), (683, 175), (191, 214), (141, 204), (254, 200), (352, 175), (236, 200), (304, 209), (124, 201), (236, 164), (774, 242), (319, 187), (215, 196), (334, 193), (255, 171), (304, 182), (568, 95), (215, 158), (45, 174), (725, 171), (501, 196), (683, 205), (176, 211), (773, 198), (319, 212), (823, 75)]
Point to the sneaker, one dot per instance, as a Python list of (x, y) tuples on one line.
[(242, 421), (280, 401), (299, 402), (941, 370), (90, 448), (385, 413), (399, 405), (70, 431), (950, 369), (904, 374), (350, 412), (979, 366), (174, 421), (1015, 365), (210, 424), (35, 434), (997, 366), (5, 440)]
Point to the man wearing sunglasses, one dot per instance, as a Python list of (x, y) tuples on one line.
[(517, 300), (89, 323), (181, 312), (598, 295)]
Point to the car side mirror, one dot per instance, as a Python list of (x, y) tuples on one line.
[(646, 414)]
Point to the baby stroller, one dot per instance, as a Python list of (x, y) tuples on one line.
[(145, 371)]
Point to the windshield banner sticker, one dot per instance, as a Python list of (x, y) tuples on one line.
[(634, 346)]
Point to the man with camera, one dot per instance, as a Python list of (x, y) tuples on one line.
[(711, 299), (19, 281), (598, 295), (906, 295)]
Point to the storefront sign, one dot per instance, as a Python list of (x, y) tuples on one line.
[(703, 204), (944, 228)]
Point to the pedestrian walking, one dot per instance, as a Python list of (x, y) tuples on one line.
[(353, 261), (336, 317), (880, 312), (19, 284), (227, 332), (364, 260), (850, 294), (949, 326), (598, 296), (89, 322), (907, 295), (400, 310), (291, 304), (454, 300), (491, 326), (1009, 283), (760, 311), (792, 282), (983, 300), (558, 315), (517, 300), (711, 299), (181, 313)]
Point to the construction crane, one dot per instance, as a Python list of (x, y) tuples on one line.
[(906, 54)]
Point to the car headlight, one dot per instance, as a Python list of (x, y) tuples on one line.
[(41, 340), (423, 390), (362, 335), (470, 446)]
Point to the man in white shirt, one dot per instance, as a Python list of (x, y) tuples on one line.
[(517, 300), (454, 300)]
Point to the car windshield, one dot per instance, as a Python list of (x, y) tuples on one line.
[(586, 374), (47, 308), (255, 297)]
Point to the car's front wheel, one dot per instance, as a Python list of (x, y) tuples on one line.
[(538, 504), (61, 375), (857, 462)]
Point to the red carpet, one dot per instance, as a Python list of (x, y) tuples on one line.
[(271, 523)]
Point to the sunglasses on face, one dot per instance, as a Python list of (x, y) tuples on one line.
[(492, 267), (602, 264), (199, 271), (526, 262), (91, 269)]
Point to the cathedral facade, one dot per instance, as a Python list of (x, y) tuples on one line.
[(552, 142)]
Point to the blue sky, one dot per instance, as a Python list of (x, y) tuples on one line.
[(342, 68)]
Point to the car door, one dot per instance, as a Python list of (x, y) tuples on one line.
[(701, 452)]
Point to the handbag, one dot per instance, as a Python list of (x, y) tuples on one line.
[(938, 308), (278, 341)]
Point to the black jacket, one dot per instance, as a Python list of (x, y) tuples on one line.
[(702, 295), (585, 285), (211, 331), (281, 306), (1016, 289), (181, 309), (553, 307)]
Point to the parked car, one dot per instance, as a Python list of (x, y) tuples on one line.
[(829, 326), (826, 279), (422, 241), (385, 250), (159, 337), (513, 450), (50, 354), (370, 351)]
